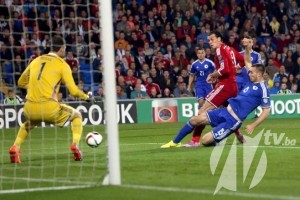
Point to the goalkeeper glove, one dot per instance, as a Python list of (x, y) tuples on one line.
[(91, 98)]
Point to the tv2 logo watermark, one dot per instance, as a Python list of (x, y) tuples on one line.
[(228, 178)]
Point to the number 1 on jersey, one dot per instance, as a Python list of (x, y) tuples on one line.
[(42, 68)]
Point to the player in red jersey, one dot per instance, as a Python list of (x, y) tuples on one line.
[(225, 60)]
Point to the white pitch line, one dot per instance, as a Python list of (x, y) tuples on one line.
[(137, 144), (240, 145), (158, 144), (202, 191), (270, 146), (164, 189)]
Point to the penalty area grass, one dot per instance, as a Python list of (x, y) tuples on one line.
[(149, 172)]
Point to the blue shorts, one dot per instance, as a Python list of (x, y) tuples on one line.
[(203, 90), (223, 122)]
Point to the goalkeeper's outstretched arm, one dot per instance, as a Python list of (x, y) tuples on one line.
[(70, 84)]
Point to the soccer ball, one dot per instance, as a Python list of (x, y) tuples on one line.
[(93, 139)]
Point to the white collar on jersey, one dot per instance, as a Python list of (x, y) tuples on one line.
[(52, 54), (202, 61)]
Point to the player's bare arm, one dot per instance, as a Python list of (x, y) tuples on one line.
[(248, 43), (265, 113), (191, 79)]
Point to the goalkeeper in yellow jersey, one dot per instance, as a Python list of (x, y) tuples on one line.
[(42, 79)]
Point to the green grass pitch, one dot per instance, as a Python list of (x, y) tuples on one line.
[(148, 172)]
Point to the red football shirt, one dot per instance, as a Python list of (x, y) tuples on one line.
[(225, 60)]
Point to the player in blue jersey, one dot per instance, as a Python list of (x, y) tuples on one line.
[(227, 120), (200, 69), (242, 77)]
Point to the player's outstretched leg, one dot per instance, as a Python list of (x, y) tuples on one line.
[(223, 121), (240, 136), (70, 113), (185, 130), (14, 151), (195, 142), (76, 127), (199, 120)]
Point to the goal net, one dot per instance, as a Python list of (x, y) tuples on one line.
[(47, 163)]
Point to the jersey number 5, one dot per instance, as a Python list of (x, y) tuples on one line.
[(42, 68)]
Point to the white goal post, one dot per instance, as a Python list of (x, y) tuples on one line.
[(107, 46)]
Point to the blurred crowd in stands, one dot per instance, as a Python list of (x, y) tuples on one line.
[(155, 41)]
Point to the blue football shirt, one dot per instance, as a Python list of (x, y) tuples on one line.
[(201, 70), (252, 96)]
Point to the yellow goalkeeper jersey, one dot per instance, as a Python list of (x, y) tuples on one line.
[(43, 76)]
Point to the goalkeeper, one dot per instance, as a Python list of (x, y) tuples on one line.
[(42, 79)]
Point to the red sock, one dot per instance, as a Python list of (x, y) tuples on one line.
[(237, 132), (197, 133), (196, 138)]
